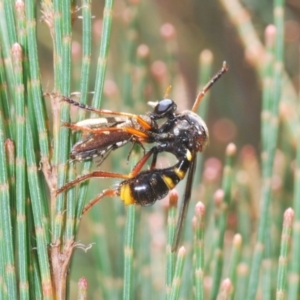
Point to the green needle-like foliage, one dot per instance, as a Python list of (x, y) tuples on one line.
[(118, 55), (283, 258)]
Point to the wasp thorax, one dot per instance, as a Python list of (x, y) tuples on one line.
[(181, 127), (197, 130)]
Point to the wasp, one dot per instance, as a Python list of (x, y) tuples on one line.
[(182, 134)]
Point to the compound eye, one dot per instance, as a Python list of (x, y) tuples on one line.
[(164, 107)]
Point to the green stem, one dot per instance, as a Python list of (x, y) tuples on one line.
[(142, 76), (103, 52), (103, 255), (99, 84), (11, 167), (293, 286), (85, 70), (9, 275), (69, 235), (130, 51), (268, 153), (284, 252), (35, 88), (170, 266), (7, 38), (222, 219), (63, 48), (4, 103), (37, 292), (128, 253), (20, 172), (174, 295), (57, 39), (199, 250), (86, 53), (10, 21), (66, 47), (234, 261), (39, 215)]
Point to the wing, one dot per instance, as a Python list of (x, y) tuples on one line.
[(185, 203), (99, 145), (102, 141)]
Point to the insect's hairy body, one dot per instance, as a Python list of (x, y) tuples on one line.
[(187, 135), (182, 134)]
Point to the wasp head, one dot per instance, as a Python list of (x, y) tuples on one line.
[(165, 108)]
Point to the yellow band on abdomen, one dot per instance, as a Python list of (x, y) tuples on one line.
[(125, 194), (168, 181)]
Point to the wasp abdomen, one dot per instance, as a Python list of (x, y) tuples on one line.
[(152, 185), (147, 187), (150, 188)]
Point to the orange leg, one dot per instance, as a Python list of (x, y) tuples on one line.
[(130, 130), (138, 167), (95, 174), (105, 193), (102, 174)]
